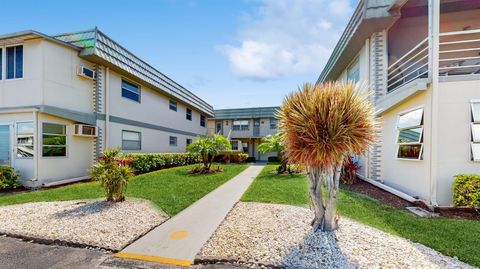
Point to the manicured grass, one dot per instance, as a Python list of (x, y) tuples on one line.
[(452, 237), (269, 187), (172, 189)]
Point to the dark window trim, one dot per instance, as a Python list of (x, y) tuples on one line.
[(133, 84), (203, 121), (15, 75), (175, 107), (170, 141), (188, 115)]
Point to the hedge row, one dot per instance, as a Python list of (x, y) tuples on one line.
[(231, 157), (147, 162)]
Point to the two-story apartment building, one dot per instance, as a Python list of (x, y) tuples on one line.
[(66, 98), (245, 127), (421, 60)]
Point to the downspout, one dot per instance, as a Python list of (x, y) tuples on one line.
[(36, 147), (368, 46), (107, 109), (434, 30)]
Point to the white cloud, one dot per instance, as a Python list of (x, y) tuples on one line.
[(286, 37)]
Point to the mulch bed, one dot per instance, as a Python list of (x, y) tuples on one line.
[(385, 197), (375, 192), (16, 190)]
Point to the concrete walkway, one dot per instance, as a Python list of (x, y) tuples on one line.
[(178, 240)]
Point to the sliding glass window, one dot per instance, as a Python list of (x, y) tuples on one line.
[(25, 144), (14, 62)]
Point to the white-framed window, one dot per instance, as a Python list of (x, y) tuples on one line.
[(188, 114), (130, 91), (173, 141), (273, 123), (131, 140), (14, 62), (240, 125), (234, 145), (410, 135), (353, 71), (172, 105), (54, 140), (25, 143), (202, 120), (475, 126)]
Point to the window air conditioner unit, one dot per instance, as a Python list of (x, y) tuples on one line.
[(86, 72), (85, 130)]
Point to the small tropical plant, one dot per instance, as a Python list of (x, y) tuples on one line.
[(274, 143), (349, 170), (113, 172), (320, 125), (8, 178), (466, 191), (208, 147)]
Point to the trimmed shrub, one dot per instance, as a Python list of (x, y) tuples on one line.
[(466, 190), (147, 162), (231, 157), (273, 159), (8, 178)]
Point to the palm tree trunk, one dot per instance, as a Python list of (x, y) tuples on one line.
[(331, 220), (315, 177)]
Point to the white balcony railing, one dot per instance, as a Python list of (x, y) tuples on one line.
[(412, 65), (459, 55)]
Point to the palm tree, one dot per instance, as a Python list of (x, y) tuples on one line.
[(208, 147), (320, 125), (273, 143)]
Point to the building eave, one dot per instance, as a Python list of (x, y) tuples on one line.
[(245, 113), (22, 36), (369, 17), (98, 47)]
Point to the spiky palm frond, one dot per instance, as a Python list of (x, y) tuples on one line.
[(322, 123)]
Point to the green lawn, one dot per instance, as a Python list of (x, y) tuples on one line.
[(460, 238), (172, 189)]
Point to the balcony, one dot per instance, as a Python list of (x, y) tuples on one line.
[(409, 54)]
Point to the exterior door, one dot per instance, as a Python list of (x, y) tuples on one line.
[(5, 145)]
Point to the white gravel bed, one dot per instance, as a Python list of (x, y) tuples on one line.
[(280, 235), (92, 223)]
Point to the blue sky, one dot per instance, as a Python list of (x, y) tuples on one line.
[(232, 53)]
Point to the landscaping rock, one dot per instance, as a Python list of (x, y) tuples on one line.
[(280, 235), (98, 224)]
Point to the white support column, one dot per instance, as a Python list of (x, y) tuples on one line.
[(36, 145), (434, 48), (107, 108)]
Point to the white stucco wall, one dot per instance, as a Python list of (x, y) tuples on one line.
[(79, 154), (454, 135), (153, 141), (153, 108), (62, 87), (409, 176), (24, 91)]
